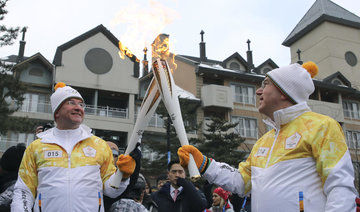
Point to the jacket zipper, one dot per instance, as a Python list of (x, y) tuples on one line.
[(272, 147)]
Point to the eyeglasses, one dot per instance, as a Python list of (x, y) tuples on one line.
[(264, 83), (73, 103)]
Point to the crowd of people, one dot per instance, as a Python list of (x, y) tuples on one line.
[(302, 164)]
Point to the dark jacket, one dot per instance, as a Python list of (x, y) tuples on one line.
[(189, 200), (136, 154), (7, 183)]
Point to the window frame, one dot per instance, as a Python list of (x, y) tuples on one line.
[(239, 97), (246, 128), (350, 135), (351, 112)]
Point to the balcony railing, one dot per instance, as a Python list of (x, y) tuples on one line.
[(156, 121), (36, 107), (45, 107), (106, 111)]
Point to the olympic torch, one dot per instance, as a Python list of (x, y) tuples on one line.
[(147, 109), (166, 86)]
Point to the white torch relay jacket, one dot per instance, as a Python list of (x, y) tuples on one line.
[(303, 163), (65, 170)]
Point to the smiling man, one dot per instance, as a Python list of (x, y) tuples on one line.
[(302, 164), (68, 168)]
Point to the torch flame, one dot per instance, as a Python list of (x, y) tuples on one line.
[(160, 49), (123, 50), (143, 24)]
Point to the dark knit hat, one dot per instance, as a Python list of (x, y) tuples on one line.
[(11, 159)]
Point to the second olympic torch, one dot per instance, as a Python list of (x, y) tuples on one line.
[(166, 86), (147, 109)]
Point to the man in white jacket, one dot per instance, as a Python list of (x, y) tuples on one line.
[(68, 168), (302, 164)]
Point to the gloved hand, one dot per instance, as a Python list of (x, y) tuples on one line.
[(200, 159), (136, 153), (126, 164)]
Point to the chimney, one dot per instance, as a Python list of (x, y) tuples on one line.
[(249, 56), (299, 58), (202, 48), (22, 46), (145, 63)]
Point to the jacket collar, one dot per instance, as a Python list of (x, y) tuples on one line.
[(54, 135), (286, 115)]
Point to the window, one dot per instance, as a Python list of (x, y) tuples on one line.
[(36, 103), (351, 109), (353, 139), (350, 58), (243, 93), (247, 127), (234, 66), (18, 137), (36, 72)]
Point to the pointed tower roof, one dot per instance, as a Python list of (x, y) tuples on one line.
[(321, 11)]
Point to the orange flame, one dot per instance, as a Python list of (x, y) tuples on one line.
[(124, 51), (160, 49), (143, 23)]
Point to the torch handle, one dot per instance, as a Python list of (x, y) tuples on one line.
[(193, 170), (116, 179)]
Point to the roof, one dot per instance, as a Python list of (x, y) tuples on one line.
[(183, 94), (238, 57), (321, 11), (269, 62), (12, 58), (198, 60), (37, 56), (340, 76), (220, 71), (99, 29)]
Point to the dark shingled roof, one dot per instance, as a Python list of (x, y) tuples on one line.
[(321, 11), (86, 35)]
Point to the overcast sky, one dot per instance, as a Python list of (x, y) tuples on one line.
[(227, 24)]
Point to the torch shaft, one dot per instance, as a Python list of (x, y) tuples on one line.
[(167, 88), (148, 107)]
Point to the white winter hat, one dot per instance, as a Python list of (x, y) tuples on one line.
[(62, 93), (295, 80)]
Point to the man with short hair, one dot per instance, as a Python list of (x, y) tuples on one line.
[(68, 168), (178, 195), (114, 149), (302, 164)]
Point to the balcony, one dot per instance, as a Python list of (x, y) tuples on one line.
[(216, 95), (45, 107), (106, 111), (334, 110)]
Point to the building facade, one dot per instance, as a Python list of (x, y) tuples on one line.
[(328, 34)]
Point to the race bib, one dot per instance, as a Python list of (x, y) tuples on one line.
[(53, 154)]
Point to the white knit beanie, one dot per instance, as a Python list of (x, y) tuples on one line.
[(295, 80), (62, 93)]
